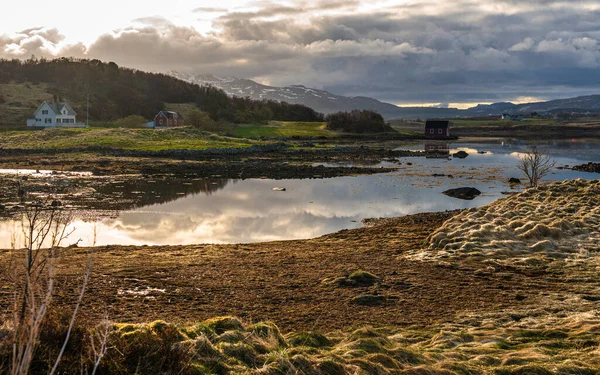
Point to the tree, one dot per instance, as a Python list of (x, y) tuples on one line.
[(365, 121), (33, 273), (535, 164)]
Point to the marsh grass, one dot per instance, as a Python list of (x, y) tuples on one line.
[(226, 345)]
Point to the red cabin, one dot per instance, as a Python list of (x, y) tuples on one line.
[(168, 118), (437, 129)]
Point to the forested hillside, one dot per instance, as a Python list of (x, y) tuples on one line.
[(116, 92)]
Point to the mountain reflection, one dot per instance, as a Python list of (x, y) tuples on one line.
[(131, 194)]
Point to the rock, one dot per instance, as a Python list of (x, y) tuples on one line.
[(2, 207), (56, 203), (589, 167), (466, 193), (368, 300), (461, 154), (278, 189), (514, 180)]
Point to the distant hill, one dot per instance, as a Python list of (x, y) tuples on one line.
[(326, 102), (319, 100), (589, 103), (116, 92)]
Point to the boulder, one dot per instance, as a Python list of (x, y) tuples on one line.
[(513, 180), (461, 154), (467, 193)]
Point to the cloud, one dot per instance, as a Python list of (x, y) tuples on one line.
[(209, 10), (421, 51)]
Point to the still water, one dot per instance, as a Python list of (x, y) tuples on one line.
[(238, 211)]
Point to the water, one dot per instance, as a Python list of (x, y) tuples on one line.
[(238, 211)]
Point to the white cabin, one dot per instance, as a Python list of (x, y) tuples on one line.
[(53, 114)]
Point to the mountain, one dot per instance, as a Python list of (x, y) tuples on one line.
[(319, 100), (589, 103), (326, 102)]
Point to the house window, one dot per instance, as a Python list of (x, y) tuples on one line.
[(58, 121), (48, 121), (431, 131), (161, 121), (439, 131), (44, 112)]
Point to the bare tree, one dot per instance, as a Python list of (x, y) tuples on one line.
[(33, 270), (535, 164)]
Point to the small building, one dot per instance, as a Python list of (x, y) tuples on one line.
[(437, 128), (54, 114), (506, 116), (168, 119)]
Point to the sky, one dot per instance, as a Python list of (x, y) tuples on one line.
[(407, 52)]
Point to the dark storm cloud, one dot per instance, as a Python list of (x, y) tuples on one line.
[(430, 51)]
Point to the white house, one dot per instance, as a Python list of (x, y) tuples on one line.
[(53, 114)]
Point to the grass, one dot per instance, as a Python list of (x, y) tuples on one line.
[(284, 129), (226, 345), (126, 139), (20, 100)]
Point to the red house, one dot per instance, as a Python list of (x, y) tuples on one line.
[(437, 129), (168, 118)]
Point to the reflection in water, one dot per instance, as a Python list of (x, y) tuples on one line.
[(437, 149), (203, 211), (131, 194)]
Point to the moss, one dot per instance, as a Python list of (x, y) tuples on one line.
[(269, 333), (523, 370), (312, 339), (367, 345), (242, 352), (369, 367), (224, 323), (366, 332), (363, 278), (576, 370), (302, 364), (407, 357), (425, 370), (384, 360), (330, 367), (231, 337)]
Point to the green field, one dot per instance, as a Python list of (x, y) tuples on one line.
[(284, 129), (126, 139)]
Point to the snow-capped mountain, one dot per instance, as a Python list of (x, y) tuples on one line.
[(326, 102), (319, 100)]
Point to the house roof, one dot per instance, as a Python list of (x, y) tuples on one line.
[(170, 114), (57, 108), (437, 124)]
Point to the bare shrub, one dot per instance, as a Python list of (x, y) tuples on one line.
[(535, 164), (32, 271)]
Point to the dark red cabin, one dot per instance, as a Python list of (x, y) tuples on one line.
[(437, 128), (168, 118)]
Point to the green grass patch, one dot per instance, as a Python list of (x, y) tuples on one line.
[(126, 139), (284, 129)]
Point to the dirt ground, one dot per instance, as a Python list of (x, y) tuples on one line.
[(282, 281)]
